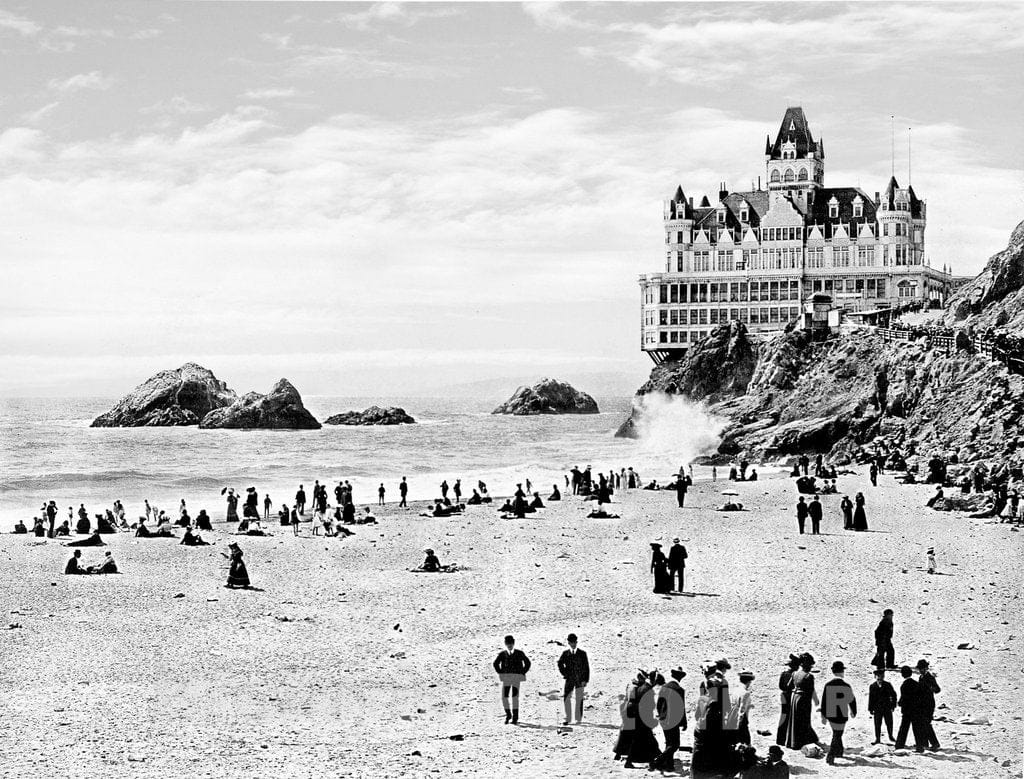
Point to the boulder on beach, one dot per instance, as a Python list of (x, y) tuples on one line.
[(182, 396), (548, 396), (280, 409), (374, 415)]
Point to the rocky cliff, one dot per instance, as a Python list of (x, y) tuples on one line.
[(790, 395), (182, 396), (374, 415), (548, 396), (280, 409)]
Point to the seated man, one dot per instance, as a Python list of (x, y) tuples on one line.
[(83, 525), (72, 567), (555, 494), (431, 564), (93, 540), (475, 499), (536, 503), (284, 516), (341, 530), (19, 527), (107, 566), (106, 524), (367, 518), (752, 476), (652, 485), (193, 539), (38, 529), (141, 531)]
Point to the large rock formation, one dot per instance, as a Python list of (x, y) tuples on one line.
[(548, 396), (374, 415), (995, 297), (841, 395), (176, 397), (280, 409)]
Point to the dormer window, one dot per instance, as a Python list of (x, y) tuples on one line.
[(858, 208), (744, 215), (833, 209), (721, 216)]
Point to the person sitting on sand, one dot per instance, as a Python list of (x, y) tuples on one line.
[(193, 539), (38, 529), (474, 499), (730, 505), (652, 485), (83, 525), (238, 576), (367, 518), (441, 510), (555, 494), (63, 530), (93, 540), (536, 503), (600, 513), (431, 564), (341, 530), (506, 507), (284, 516), (752, 476), (106, 524), (184, 520), (73, 568), (19, 528), (107, 566)]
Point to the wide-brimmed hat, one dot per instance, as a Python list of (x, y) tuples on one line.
[(746, 673), (723, 664), (675, 540), (429, 551), (793, 659), (655, 545), (677, 672), (922, 665)]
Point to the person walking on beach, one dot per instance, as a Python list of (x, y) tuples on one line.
[(801, 513), (910, 711), (681, 487), (885, 654), (238, 576), (676, 565), (267, 504), (671, 710), (860, 518), (838, 705), (927, 687), (380, 494), (576, 476), (804, 697), (444, 489), (300, 500), (457, 491), (873, 472), (511, 665), (403, 491), (659, 567), (785, 689), (881, 704), (574, 667), (814, 510), (846, 506)]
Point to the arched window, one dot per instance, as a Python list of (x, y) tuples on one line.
[(789, 175), (803, 174), (775, 177)]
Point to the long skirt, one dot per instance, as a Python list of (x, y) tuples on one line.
[(860, 519), (232, 514), (780, 736), (644, 747), (800, 730), (238, 576)]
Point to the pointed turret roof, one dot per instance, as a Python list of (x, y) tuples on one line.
[(794, 128)]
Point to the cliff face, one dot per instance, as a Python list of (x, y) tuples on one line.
[(280, 409), (182, 396), (794, 396), (548, 396)]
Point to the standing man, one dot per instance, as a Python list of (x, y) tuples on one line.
[(380, 494), (885, 654), (815, 511), (927, 688), (300, 500), (681, 487), (403, 490), (881, 704), (910, 708), (267, 503), (576, 476), (671, 708), (511, 665), (676, 564), (457, 489), (873, 471), (838, 704), (801, 513), (575, 670)]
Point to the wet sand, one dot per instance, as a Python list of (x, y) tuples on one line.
[(346, 664)]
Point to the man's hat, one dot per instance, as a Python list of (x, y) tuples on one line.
[(838, 666), (775, 751), (675, 540), (677, 672), (887, 611), (572, 638), (723, 664), (793, 659), (429, 551), (922, 665), (879, 671), (746, 673), (655, 545)]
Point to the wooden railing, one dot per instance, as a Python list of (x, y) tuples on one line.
[(942, 341)]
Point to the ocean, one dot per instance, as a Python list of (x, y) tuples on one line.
[(49, 452)]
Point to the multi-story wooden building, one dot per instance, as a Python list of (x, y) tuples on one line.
[(760, 256)]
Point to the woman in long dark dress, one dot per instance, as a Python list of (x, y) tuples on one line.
[(232, 506), (644, 747), (238, 576), (785, 692), (802, 702), (628, 712), (860, 519), (846, 505), (659, 567)]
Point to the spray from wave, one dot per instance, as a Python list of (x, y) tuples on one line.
[(672, 430)]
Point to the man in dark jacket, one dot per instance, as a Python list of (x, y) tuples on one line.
[(801, 513), (910, 710), (671, 708), (838, 704), (815, 511), (575, 669), (881, 704), (927, 687), (885, 654), (512, 665), (677, 565), (681, 487)]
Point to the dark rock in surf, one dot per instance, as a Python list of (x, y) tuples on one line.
[(280, 409), (170, 398)]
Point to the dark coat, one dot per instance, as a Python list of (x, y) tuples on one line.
[(910, 697), (814, 509), (837, 701), (515, 663), (883, 633), (574, 667), (801, 510), (881, 697), (676, 557)]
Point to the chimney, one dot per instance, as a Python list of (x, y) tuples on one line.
[(723, 193), (877, 199), (691, 201), (758, 183)]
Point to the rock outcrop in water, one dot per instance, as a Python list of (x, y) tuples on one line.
[(548, 396), (280, 409), (841, 395), (374, 415), (182, 396)]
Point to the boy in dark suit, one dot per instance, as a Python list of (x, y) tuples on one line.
[(512, 665), (838, 704), (910, 710), (575, 669), (881, 704)]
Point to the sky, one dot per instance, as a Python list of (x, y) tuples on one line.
[(387, 199)]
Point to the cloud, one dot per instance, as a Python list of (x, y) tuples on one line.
[(269, 93), (92, 80), (403, 14), (34, 117), (19, 24), (179, 104)]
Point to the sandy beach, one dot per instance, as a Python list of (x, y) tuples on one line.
[(346, 664)]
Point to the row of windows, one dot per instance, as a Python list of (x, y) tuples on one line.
[(767, 234), (755, 291), (704, 316), (789, 257)]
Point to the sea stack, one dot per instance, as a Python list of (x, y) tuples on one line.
[(182, 396), (548, 396), (374, 415), (280, 409)]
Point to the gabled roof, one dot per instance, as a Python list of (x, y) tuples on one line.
[(794, 128), (890, 197), (844, 197)]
